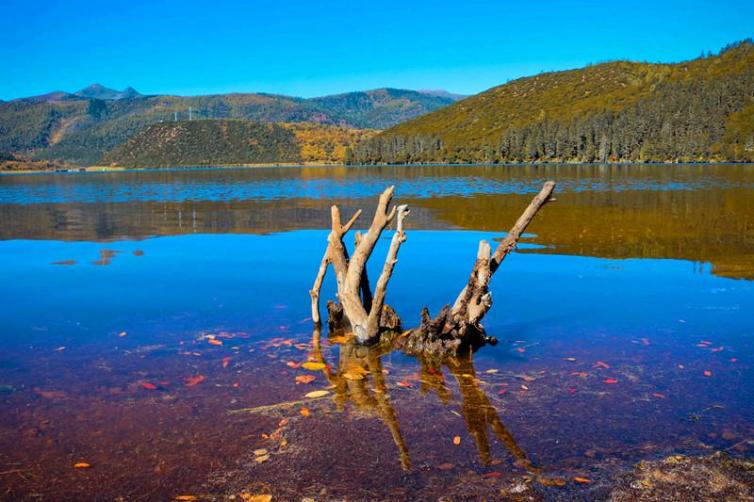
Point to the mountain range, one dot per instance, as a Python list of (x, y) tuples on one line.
[(82, 126)]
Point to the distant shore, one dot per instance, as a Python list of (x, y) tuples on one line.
[(44, 167)]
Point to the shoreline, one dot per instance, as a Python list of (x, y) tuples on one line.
[(267, 165)]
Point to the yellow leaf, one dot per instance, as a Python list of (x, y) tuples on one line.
[(260, 452), (352, 376), (248, 497), (317, 393), (262, 458), (309, 365), (582, 480)]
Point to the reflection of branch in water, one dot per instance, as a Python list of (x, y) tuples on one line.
[(356, 364), (479, 413)]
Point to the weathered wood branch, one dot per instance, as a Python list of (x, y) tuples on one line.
[(455, 326), (354, 294)]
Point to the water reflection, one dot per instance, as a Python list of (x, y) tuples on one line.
[(699, 213), (358, 378)]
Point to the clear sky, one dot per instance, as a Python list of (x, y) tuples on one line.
[(317, 47)]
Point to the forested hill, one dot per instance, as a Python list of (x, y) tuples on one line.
[(206, 142), (233, 141), (80, 127), (697, 110)]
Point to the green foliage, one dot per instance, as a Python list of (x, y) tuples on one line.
[(619, 111), (206, 142), (81, 128)]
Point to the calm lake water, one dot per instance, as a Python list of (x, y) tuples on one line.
[(625, 322)]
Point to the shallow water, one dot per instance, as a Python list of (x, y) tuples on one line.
[(624, 322)]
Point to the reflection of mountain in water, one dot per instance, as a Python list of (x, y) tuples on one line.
[(697, 213)]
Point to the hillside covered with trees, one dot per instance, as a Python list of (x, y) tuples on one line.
[(81, 127), (697, 110), (234, 141), (206, 142)]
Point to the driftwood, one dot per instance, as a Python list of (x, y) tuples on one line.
[(367, 315)]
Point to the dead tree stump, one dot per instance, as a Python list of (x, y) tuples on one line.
[(455, 328)]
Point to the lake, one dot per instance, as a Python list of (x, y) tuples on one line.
[(154, 324)]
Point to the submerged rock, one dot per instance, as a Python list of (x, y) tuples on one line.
[(715, 477)]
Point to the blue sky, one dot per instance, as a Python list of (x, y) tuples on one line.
[(317, 47)]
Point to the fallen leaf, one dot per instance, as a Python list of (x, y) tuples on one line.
[(611, 380), (305, 379), (581, 480), (659, 395), (122, 334), (521, 349), (317, 393), (248, 497), (82, 465), (524, 387), (492, 371), (262, 458), (601, 364), (446, 466), (148, 386), (226, 362), (50, 394), (580, 374), (214, 341), (194, 380), (304, 412), (310, 365), (707, 373), (404, 384), (526, 378), (186, 498), (493, 474), (552, 481), (293, 364), (457, 440), (260, 452)]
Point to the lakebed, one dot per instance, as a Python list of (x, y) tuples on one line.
[(149, 315)]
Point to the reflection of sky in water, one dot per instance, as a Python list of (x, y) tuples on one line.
[(274, 184)]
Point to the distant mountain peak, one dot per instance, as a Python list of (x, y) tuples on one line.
[(442, 93), (99, 91)]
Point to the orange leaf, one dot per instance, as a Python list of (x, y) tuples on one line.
[(81, 465), (186, 498), (304, 412), (403, 384), (215, 341), (149, 386), (305, 379), (457, 440), (581, 480), (226, 362), (293, 364), (194, 380)]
